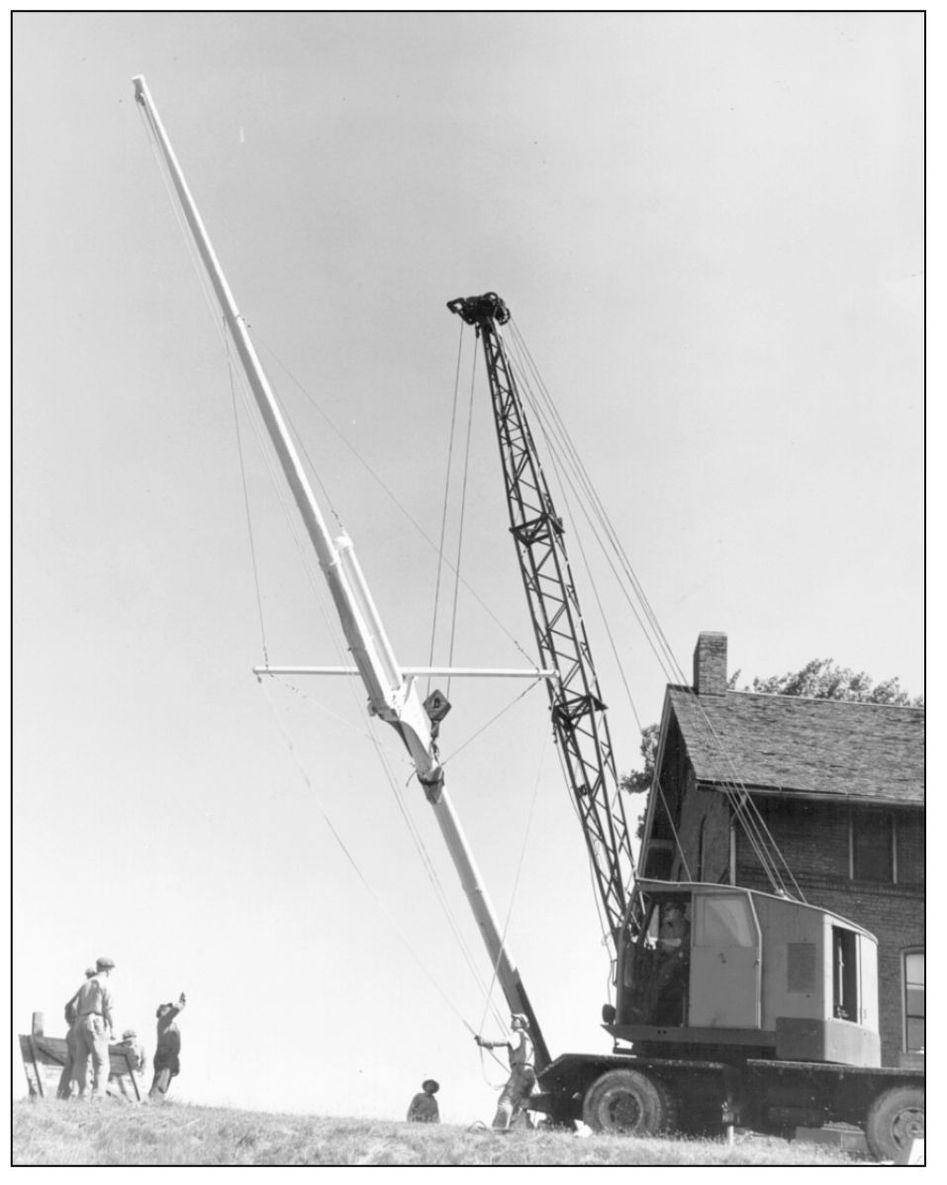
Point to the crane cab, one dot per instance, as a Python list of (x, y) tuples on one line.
[(723, 966)]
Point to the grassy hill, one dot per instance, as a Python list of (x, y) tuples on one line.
[(51, 1133)]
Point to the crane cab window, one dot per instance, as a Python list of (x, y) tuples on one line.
[(844, 975), (656, 966), (724, 920)]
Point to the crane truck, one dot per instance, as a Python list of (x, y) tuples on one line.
[(731, 1005)]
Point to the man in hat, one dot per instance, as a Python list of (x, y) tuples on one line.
[(168, 1049), (423, 1108), (93, 1029), (135, 1053), (515, 1095), (64, 1090), (133, 1049)]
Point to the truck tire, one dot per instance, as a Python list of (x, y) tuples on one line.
[(895, 1118), (627, 1103)]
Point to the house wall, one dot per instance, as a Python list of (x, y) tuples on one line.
[(814, 840), (705, 816), (676, 786)]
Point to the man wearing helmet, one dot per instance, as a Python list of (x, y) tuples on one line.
[(515, 1095), (92, 1030)]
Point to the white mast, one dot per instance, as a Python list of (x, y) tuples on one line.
[(391, 696)]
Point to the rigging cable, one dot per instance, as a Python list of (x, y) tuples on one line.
[(460, 530), (447, 478), (674, 832), (513, 893), (744, 808), (493, 719), (246, 506), (395, 501), (589, 864), (383, 909), (758, 835)]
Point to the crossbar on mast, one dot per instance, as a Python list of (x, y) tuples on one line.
[(451, 672)]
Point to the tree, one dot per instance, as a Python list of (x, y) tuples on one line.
[(822, 679), (639, 781), (819, 679)]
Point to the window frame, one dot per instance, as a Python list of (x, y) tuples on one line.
[(893, 819), (846, 988), (907, 953), (862, 817)]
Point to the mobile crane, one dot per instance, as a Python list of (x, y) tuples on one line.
[(732, 1005), (762, 1010)]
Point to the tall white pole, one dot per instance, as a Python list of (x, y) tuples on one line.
[(392, 697)]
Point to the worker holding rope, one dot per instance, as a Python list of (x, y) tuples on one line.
[(515, 1095)]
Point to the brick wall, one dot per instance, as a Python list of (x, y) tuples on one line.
[(705, 816), (710, 664)]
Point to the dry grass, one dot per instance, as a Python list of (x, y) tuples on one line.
[(52, 1133)]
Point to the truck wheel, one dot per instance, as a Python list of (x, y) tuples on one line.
[(627, 1103), (895, 1118)]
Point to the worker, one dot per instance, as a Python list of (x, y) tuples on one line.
[(132, 1047), (675, 931), (674, 937), (134, 1051), (167, 1064), (64, 1090), (522, 1079), (423, 1108), (93, 1029)]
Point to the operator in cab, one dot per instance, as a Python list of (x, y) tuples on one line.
[(674, 940)]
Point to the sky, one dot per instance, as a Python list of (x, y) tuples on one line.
[(709, 229)]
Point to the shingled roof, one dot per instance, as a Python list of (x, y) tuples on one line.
[(835, 748)]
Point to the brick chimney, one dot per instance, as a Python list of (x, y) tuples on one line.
[(710, 664)]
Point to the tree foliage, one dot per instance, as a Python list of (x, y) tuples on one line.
[(823, 679), (639, 781)]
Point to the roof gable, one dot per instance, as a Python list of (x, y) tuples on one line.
[(804, 746)]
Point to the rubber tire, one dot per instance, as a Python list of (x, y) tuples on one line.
[(895, 1118), (626, 1103)]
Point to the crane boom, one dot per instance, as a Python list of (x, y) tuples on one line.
[(578, 712), (391, 695)]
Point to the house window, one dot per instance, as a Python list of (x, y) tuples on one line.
[(872, 840), (909, 848), (914, 1001), (886, 847)]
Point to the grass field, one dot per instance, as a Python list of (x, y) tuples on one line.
[(52, 1133)]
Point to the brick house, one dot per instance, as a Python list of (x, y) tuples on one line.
[(840, 787)]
